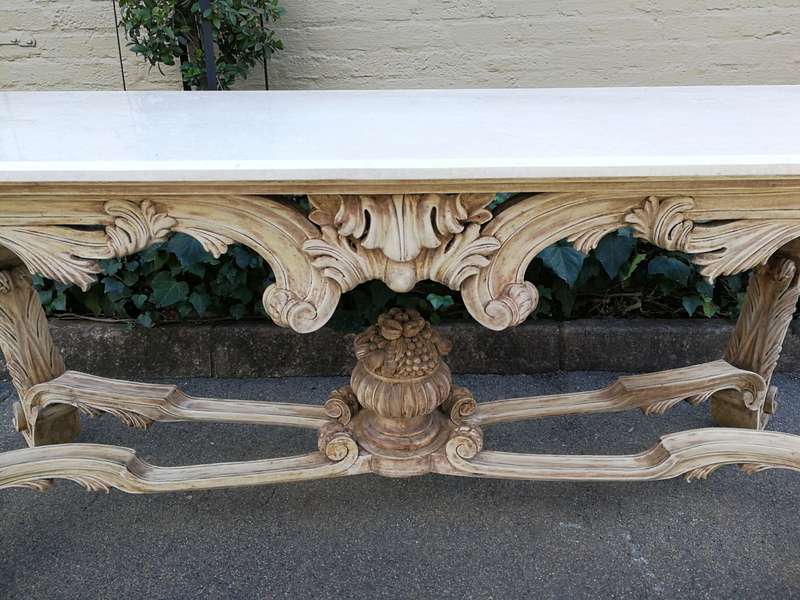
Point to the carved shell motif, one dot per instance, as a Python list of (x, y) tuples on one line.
[(400, 372)]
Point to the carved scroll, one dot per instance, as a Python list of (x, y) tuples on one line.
[(653, 393), (301, 297), (723, 235)]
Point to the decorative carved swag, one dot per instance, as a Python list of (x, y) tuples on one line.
[(400, 239)]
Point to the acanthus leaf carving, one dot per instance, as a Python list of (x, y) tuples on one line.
[(401, 238), (137, 226), (663, 222), (70, 255), (722, 248), (63, 254)]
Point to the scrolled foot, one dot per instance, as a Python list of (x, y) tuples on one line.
[(460, 405), (465, 443), (337, 442), (342, 405)]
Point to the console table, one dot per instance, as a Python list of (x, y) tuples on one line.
[(399, 184)]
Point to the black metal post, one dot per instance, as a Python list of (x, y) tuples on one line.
[(208, 47)]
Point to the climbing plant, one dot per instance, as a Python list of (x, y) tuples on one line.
[(178, 281)]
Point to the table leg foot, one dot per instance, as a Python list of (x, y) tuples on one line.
[(756, 343), (32, 358)]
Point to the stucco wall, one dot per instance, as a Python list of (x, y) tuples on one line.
[(444, 43)]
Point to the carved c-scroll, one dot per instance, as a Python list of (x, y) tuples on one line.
[(722, 235), (301, 297)]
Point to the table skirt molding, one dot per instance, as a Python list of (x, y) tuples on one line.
[(401, 415)]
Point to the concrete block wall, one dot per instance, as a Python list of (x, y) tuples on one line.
[(439, 43)]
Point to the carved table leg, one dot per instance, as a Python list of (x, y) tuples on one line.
[(757, 340), (32, 359)]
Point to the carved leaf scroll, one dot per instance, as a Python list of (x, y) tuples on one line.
[(401, 239), (136, 226), (722, 235)]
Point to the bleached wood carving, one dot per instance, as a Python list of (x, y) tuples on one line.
[(401, 238), (722, 235), (694, 453), (756, 343), (401, 415), (141, 404), (99, 468), (31, 358), (653, 393)]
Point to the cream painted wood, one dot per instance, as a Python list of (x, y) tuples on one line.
[(695, 454), (140, 404), (401, 415), (653, 393)]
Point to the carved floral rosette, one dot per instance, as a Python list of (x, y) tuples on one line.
[(400, 372)]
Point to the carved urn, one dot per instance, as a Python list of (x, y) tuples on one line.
[(400, 380)]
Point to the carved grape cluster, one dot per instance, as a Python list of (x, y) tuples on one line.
[(402, 345)]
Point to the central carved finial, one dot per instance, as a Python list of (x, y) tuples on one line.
[(400, 372), (401, 346)]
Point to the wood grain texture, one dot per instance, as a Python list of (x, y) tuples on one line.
[(653, 393), (98, 467), (694, 454), (141, 404), (399, 238), (401, 415), (32, 358), (756, 343)]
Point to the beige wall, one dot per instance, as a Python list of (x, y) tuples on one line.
[(444, 43)]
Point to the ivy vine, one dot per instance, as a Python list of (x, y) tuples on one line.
[(177, 280)]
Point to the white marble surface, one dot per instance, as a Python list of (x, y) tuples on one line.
[(376, 135)]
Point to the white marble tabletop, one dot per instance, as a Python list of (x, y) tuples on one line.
[(387, 135)]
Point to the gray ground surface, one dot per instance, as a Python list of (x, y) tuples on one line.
[(732, 536)]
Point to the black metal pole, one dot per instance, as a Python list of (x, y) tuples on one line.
[(208, 47), (119, 45)]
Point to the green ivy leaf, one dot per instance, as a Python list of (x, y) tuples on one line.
[(613, 251), (187, 249), (59, 302), (241, 255), (705, 289), (145, 319), (45, 296), (691, 303), (671, 268), (709, 308), (628, 271), (563, 260), (139, 300), (168, 291), (110, 266), (114, 287), (200, 301), (439, 301)]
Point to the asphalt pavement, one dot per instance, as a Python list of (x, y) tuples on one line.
[(731, 536)]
